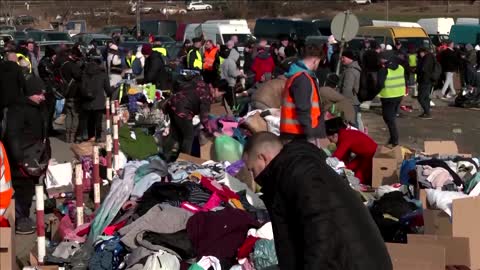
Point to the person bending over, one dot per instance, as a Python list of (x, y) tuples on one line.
[(318, 221), (350, 141)]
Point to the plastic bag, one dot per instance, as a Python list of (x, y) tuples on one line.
[(162, 261), (264, 254), (228, 149)]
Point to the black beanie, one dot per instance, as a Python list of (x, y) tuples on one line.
[(33, 86), (348, 54)]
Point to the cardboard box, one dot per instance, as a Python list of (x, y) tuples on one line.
[(217, 109), (7, 241), (457, 249), (386, 166), (440, 147), (466, 224), (417, 256), (207, 150), (437, 222)]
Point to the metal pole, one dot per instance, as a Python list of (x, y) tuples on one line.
[(388, 17), (96, 177), (79, 193), (137, 11), (39, 203), (342, 41)]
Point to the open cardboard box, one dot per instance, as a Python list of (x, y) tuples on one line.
[(417, 256), (386, 166), (7, 241), (457, 250)]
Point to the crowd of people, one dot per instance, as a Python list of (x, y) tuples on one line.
[(317, 106)]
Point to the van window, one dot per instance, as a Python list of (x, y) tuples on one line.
[(273, 28), (218, 39), (305, 29), (418, 42), (242, 38)]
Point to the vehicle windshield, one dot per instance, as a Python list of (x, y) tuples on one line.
[(19, 35), (165, 39), (242, 38), (6, 28), (37, 36), (418, 42), (57, 36), (102, 41)]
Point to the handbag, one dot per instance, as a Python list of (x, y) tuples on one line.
[(35, 157)]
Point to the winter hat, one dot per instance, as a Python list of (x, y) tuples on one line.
[(146, 49), (389, 47), (195, 40), (382, 46), (331, 40), (469, 47), (76, 52), (348, 54), (34, 86), (477, 48)]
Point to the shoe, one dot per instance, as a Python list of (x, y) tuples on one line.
[(25, 226), (425, 116)]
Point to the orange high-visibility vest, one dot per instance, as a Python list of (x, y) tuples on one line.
[(209, 58), (6, 190), (288, 121)]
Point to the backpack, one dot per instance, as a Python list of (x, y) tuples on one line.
[(60, 85), (367, 83), (437, 71)]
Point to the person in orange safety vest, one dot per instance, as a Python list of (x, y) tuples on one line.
[(6, 190), (211, 62), (301, 115)]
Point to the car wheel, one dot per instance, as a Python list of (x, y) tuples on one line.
[(192, 9), (208, 8), (182, 12)]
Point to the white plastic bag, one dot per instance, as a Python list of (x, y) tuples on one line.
[(162, 260)]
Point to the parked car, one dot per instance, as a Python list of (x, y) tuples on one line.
[(165, 39), (108, 30), (5, 37), (19, 35), (7, 28), (104, 12), (24, 20), (143, 9), (198, 6), (361, 2), (42, 36), (158, 27), (87, 38), (172, 10), (53, 44)]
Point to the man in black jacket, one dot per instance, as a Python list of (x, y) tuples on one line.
[(12, 83), (318, 221), (449, 61), (425, 69), (26, 136), (154, 69)]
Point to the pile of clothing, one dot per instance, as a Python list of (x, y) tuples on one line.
[(180, 215)]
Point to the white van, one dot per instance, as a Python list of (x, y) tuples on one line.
[(221, 33), (437, 29), (467, 21), (238, 22), (192, 30)]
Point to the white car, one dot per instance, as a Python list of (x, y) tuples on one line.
[(198, 6), (361, 1)]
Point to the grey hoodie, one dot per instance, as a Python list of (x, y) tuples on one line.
[(350, 82), (229, 70)]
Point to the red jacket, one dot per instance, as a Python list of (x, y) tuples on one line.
[(354, 141), (262, 64)]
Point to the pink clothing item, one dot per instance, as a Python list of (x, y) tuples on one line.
[(224, 192), (437, 176), (67, 230), (213, 202), (227, 127), (191, 207)]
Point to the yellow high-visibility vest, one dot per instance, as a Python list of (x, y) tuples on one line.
[(130, 60), (160, 50), (221, 60), (412, 60), (198, 62), (19, 55), (394, 84)]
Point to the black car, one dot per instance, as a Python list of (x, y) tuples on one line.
[(273, 29)]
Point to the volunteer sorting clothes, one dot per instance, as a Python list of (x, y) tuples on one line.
[(350, 142), (318, 220), (192, 97)]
